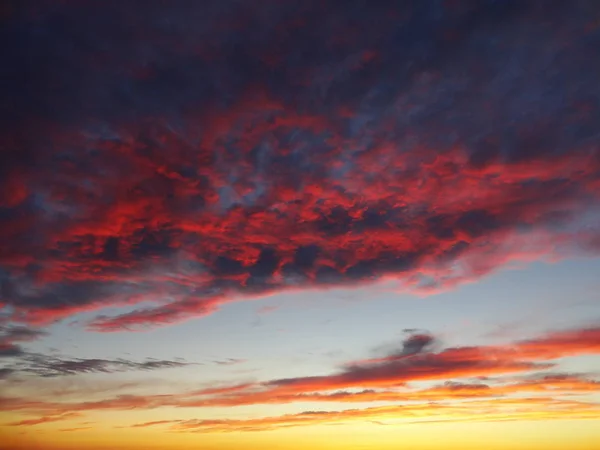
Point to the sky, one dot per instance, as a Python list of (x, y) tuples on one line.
[(275, 224)]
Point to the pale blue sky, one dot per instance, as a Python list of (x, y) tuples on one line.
[(314, 331)]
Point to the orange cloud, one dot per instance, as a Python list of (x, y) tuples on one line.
[(45, 419), (68, 430), (488, 410), (152, 424), (382, 379), (419, 363)]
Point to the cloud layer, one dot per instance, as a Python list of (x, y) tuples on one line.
[(199, 155), (517, 381)]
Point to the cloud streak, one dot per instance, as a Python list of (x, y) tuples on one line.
[(486, 411), (44, 419), (51, 366)]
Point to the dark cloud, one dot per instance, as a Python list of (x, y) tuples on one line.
[(47, 366), (6, 372), (189, 155), (12, 335), (229, 361), (10, 351), (416, 343), (22, 362)]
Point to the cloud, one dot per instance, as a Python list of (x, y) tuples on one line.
[(448, 391), (45, 419), (497, 410), (200, 155), (230, 361), (488, 410), (15, 360), (451, 391), (51, 366), (6, 372), (152, 424), (68, 430), (10, 335), (515, 369), (416, 342), (413, 362)]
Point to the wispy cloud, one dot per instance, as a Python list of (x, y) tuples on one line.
[(517, 369), (45, 419), (53, 366), (152, 424), (69, 430), (497, 410), (230, 361)]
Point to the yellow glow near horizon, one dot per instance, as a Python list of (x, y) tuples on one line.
[(538, 435)]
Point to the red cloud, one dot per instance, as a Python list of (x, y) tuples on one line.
[(413, 365), (252, 166)]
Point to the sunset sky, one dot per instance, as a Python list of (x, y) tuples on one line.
[(285, 224)]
